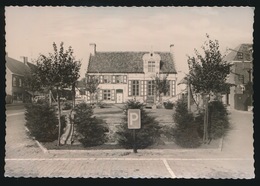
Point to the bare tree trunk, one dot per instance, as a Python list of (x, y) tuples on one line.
[(206, 121), (73, 95), (59, 116), (50, 97)]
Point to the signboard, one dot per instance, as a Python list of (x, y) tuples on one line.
[(134, 119)]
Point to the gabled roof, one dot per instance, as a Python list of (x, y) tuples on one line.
[(18, 67), (126, 62), (234, 56)]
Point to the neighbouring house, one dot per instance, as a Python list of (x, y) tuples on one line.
[(80, 92), (240, 95), (15, 72), (130, 75)]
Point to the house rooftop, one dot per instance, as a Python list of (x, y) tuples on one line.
[(127, 62), (18, 67), (235, 56)]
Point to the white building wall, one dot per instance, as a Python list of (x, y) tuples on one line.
[(8, 82)]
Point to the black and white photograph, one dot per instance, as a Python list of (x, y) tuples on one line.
[(129, 92)]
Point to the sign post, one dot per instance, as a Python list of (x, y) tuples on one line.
[(134, 122)]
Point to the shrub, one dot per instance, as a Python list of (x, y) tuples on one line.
[(186, 129), (146, 136), (168, 105), (42, 122), (218, 120), (92, 131)]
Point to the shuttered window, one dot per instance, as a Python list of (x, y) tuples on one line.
[(142, 88), (125, 81), (88, 96), (173, 88), (113, 79), (101, 79), (100, 95), (129, 88), (145, 88), (113, 95)]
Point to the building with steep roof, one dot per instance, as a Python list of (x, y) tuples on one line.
[(240, 95), (130, 75), (15, 72)]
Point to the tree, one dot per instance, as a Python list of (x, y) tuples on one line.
[(92, 131), (208, 74), (91, 85), (32, 81), (42, 121), (161, 85), (146, 136), (57, 71), (186, 128)]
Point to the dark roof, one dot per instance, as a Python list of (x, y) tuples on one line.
[(126, 62), (16, 67), (234, 56), (33, 67)]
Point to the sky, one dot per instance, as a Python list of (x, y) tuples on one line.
[(30, 31)]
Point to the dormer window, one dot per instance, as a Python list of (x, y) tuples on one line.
[(151, 66), (151, 62)]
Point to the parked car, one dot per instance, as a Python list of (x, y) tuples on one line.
[(38, 98)]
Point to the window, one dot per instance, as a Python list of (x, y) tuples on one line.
[(106, 95), (119, 79), (240, 55), (20, 82), (14, 81), (107, 79), (167, 85), (150, 88), (135, 88), (151, 66)]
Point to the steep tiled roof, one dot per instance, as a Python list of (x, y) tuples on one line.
[(16, 67), (126, 62), (31, 66), (234, 56)]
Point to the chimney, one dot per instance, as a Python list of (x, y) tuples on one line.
[(171, 48), (25, 59), (92, 49)]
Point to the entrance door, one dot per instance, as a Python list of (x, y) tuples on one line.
[(119, 96)]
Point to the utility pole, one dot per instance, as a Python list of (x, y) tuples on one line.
[(188, 90), (189, 96)]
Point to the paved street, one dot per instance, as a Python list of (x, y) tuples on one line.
[(25, 158)]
